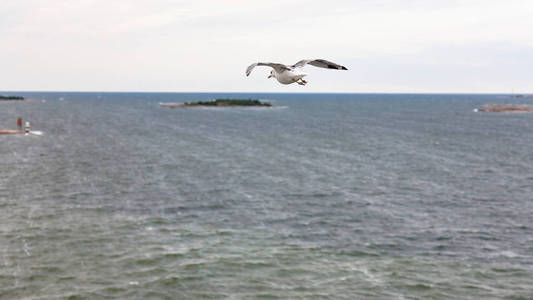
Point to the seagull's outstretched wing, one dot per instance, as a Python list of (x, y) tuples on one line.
[(278, 67), (321, 63)]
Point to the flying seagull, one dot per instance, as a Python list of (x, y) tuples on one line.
[(291, 74)]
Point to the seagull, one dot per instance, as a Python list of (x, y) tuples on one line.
[(291, 74)]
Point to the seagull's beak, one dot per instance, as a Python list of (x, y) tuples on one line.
[(270, 76)]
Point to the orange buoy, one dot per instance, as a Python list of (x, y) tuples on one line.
[(19, 122)]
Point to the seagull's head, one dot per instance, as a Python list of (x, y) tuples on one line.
[(271, 74)]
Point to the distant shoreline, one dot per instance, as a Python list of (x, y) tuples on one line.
[(15, 99), (508, 108), (11, 98)]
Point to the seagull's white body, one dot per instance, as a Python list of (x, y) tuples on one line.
[(290, 74), (288, 77)]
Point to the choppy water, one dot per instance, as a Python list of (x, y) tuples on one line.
[(327, 197)]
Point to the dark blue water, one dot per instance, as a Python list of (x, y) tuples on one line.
[(322, 197)]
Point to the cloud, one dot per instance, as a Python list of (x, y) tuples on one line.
[(205, 45)]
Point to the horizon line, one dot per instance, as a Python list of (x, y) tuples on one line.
[(263, 92)]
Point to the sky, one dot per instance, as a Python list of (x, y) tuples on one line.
[(389, 46)]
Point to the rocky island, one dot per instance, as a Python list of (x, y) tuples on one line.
[(11, 98), (513, 108), (220, 103)]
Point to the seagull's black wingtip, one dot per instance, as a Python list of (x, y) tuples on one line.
[(343, 68)]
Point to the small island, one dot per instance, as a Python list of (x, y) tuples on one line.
[(512, 108), (11, 98), (220, 103), (521, 96)]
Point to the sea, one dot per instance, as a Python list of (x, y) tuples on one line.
[(323, 196)]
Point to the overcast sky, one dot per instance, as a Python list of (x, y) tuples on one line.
[(478, 46)]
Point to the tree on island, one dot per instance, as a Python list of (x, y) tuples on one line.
[(229, 102)]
